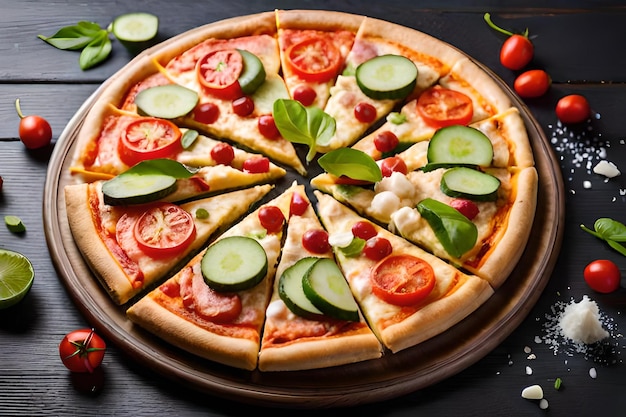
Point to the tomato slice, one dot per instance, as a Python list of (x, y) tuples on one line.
[(314, 59), (149, 138), (164, 230), (219, 71), (402, 279), (442, 107)]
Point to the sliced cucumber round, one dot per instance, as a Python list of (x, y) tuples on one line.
[(253, 74), (234, 263), (135, 27), (460, 145), (128, 189), (325, 286), (470, 183), (387, 77), (166, 101), (291, 292)]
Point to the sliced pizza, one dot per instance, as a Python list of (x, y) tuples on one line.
[(313, 54), (215, 305), (130, 248), (298, 335), (382, 71), (407, 294)]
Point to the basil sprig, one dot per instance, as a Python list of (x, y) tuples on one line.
[(88, 37), (611, 231), (305, 125), (456, 232)]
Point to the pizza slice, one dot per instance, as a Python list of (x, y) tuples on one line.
[(237, 81), (313, 54), (381, 72), (130, 248), (126, 139), (406, 294), (297, 335), (215, 305)]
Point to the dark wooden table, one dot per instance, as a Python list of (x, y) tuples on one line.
[(580, 43)]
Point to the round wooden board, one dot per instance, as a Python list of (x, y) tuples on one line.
[(391, 376)]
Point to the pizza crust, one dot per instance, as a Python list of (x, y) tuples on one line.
[(236, 352)]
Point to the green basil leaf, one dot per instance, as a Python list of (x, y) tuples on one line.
[(162, 167), (352, 163), (305, 125), (610, 229), (96, 51), (88, 28), (620, 248), (74, 37), (456, 232)]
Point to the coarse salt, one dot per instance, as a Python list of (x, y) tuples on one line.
[(606, 168), (581, 322)]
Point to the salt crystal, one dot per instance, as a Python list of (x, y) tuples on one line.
[(543, 404), (527, 349), (529, 370), (593, 373), (606, 168), (587, 184)]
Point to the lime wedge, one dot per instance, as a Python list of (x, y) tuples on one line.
[(16, 277), (14, 224)]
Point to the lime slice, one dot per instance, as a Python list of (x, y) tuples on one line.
[(14, 224), (16, 277)]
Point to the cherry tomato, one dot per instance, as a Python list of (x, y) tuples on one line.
[(402, 280), (82, 350), (516, 52), (573, 109), (267, 126), (377, 248), (149, 138), (206, 113), (365, 112), (35, 131), (314, 59), (364, 230), (163, 230), (298, 205), (386, 141), (393, 164), (271, 218), (305, 94), (218, 72), (316, 241), (256, 165), (466, 207), (441, 107), (223, 153), (533, 83), (243, 106), (603, 276)]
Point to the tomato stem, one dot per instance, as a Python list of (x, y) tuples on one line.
[(17, 107), (492, 25)]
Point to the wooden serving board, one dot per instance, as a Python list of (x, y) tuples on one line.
[(391, 376)]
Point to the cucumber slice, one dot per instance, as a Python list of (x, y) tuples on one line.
[(128, 189), (387, 77), (234, 263), (325, 286), (135, 27), (458, 145), (470, 183), (166, 101), (291, 292), (253, 74)]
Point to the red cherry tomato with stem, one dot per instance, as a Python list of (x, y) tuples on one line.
[(532, 83), (573, 109), (35, 131), (517, 51), (603, 276), (82, 350)]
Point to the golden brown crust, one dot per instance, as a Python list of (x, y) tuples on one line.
[(87, 238), (318, 20), (237, 352)]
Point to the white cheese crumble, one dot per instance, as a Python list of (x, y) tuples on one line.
[(581, 322)]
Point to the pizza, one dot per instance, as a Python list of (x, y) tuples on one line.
[(301, 189)]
